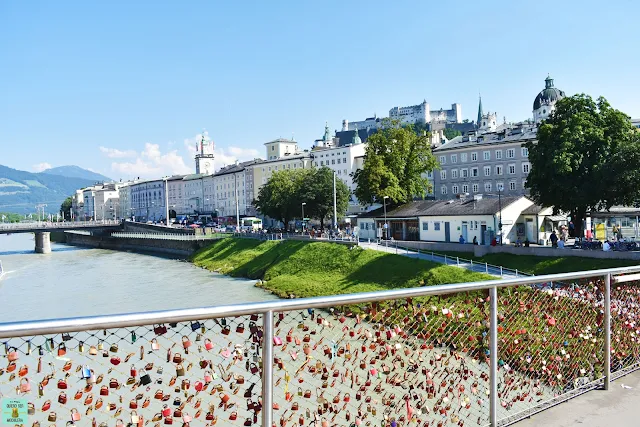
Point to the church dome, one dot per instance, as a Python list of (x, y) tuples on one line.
[(549, 95)]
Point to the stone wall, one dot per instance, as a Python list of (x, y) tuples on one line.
[(551, 252), (166, 247), (433, 247), (138, 227)]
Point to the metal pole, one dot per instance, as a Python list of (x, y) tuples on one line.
[(493, 357), (607, 331), (386, 227), (166, 202), (516, 272), (267, 369), (501, 272), (486, 268), (335, 208), (458, 261), (235, 183)]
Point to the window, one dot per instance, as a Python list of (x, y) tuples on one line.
[(525, 152), (525, 168), (524, 184), (463, 157), (273, 148), (512, 169), (333, 162), (499, 186), (498, 169), (425, 226), (512, 185), (454, 189), (487, 171), (436, 226), (487, 186), (475, 188), (443, 160), (338, 161), (465, 188), (344, 160), (474, 157), (454, 158), (474, 172), (443, 174), (464, 173), (498, 154), (430, 174), (443, 189), (486, 155), (454, 173), (511, 153)]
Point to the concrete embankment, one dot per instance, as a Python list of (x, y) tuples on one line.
[(178, 248)]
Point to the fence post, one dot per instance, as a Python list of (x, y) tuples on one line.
[(501, 272), (267, 369), (493, 357), (458, 261), (516, 272), (486, 268), (432, 256), (445, 260), (607, 331)]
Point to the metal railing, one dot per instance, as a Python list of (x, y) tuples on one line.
[(483, 353), (66, 225), (168, 236)]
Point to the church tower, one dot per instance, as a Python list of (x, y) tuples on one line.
[(204, 155), (480, 113)]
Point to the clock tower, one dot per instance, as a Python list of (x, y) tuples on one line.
[(204, 156)]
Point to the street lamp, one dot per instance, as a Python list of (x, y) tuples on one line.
[(386, 226), (500, 212), (303, 204)]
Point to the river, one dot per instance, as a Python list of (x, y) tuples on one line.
[(74, 281)]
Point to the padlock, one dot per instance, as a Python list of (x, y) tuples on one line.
[(133, 371), (186, 342), (134, 417), (145, 378), (25, 385), (208, 344), (154, 344), (75, 415), (180, 370)]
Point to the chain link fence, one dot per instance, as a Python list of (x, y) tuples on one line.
[(473, 354)]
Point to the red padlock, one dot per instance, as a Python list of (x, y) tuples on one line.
[(133, 371), (166, 411), (186, 342)]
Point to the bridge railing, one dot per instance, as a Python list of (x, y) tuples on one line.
[(168, 236), (65, 225), (484, 353)]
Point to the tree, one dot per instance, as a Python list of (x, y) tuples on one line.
[(395, 165), (65, 208), (585, 159), (317, 193), (279, 198), (451, 133)]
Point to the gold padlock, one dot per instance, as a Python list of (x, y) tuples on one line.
[(14, 413)]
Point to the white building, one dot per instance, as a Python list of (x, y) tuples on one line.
[(148, 201), (100, 202), (281, 148)]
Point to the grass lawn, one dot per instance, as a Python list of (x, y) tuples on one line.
[(544, 265), (307, 269)]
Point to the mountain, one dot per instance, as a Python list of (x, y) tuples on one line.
[(21, 191), (73, 171)]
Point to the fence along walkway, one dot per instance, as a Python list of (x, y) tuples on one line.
[(485, 353), (480, 267)]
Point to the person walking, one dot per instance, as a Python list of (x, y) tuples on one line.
[(461, 240), (554, 239)]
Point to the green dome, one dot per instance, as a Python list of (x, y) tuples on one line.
[(548, 95)]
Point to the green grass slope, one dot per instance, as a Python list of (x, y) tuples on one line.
[(307, 269)]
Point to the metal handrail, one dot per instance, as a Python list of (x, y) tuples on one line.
[(77, 324)]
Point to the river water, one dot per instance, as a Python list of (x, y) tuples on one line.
[(73, 281)]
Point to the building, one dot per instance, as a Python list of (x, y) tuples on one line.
[(280, 148), (635, 123), (147, 200), (475, 217), (100, 202), (344, 160), (546, 100), (484, 163), (493, 157), (77, 206), (232, 195), (205, 157)]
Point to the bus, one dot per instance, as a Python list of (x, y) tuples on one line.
[(251, 224)]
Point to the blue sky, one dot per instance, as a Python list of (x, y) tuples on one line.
[(124, 87)]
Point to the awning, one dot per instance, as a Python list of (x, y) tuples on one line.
[(556, 218)]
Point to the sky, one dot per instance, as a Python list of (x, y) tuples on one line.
[(124, 88)]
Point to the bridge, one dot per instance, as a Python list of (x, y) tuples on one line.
[(42, 230)]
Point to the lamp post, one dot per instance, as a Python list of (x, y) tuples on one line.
[(166, 202), (386, 226), (303, 203), (235, 184), (500, 212), (335, 209)]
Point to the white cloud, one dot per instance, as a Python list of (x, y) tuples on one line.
[(155, 161), (41, 166), (114, 153)]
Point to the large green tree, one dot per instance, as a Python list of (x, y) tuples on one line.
[(586, 157), (65, 208), (279, 198), (451, 133), (395, 165), (317, 193)]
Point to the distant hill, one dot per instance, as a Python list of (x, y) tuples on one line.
[(21, 191), (73, 171)]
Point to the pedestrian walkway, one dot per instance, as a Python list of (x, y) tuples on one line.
[(616, 407), (494, 270)]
